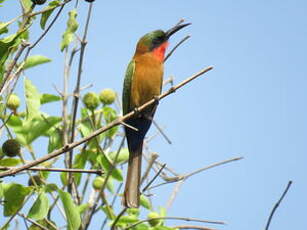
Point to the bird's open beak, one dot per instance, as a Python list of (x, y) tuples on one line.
[(176, 28)]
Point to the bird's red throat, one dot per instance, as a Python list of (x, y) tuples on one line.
[(159, 52)]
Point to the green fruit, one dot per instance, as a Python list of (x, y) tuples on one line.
[(13, 102), (39, 2), (91, 100), (133, 211), (11, 148), (38, 180), (107, 96), (152, 215), (98, 182)]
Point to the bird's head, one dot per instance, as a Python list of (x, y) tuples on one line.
[(157, 41)]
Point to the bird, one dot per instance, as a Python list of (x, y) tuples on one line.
[(142, 83)]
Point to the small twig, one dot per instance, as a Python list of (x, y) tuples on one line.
[(32, 221), (192, 227), (162, 132), (186, 176), (175, 47), (151, 161), (277, 204), (98, 172), (129, 126), (153, 179), (112, 124), (174, 194), (176, 218), (48, 9), (77, 94), (113, 227)]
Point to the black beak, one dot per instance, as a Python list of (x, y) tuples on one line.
[(176, 28)]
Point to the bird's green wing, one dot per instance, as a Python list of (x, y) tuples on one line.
[(127, 87)]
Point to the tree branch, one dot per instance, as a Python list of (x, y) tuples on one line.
[(116, 122), (176, 218), (277, 204)]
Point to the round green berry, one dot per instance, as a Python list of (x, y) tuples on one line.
[(91, 100), (98, 182), (107, 96), (13, 102), (154, 222), (11, 148)]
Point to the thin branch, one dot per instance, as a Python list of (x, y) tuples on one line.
[(186, 176), (77, 94), (153, 179), (175, 47), (174, 194), (112, 124), (161, 131), (151, 161), (32, 221), (176, 218), (192, 227), (98, 172), (277, 204), (113, 227)]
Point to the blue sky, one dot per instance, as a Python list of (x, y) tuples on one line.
[(252, 104)]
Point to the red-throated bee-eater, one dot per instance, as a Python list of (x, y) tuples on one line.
[(143, 82)]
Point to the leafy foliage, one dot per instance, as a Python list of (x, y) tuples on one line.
[(31, 126)]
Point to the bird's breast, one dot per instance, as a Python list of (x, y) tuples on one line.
[(147, 79)]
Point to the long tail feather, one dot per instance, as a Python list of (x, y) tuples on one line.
[(131, 197)]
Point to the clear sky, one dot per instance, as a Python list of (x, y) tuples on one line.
[(252, 104)]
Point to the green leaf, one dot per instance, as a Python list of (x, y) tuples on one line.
[(50, 8), (1, 189), (40, 208), (144, 201), (162, 228), (128, 219), (106, 165), (38, 127), (107, 209), (122, 157), (14, 121), (109, 116), (83, 207), (9, 162), (72, 26), (55, 141), (35, 60), (6, 48), (71, 211), (50, 188), (14, 195), (32, 99), (3, 27), (47, 98), (26, 5)]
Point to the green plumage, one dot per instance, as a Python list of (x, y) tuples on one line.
[(127, 87)]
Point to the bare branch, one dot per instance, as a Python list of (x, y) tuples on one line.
[(186, 176), (277, 204), (192, 227), (77, 93), (176, 218), (116, 122), (98, 172)]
